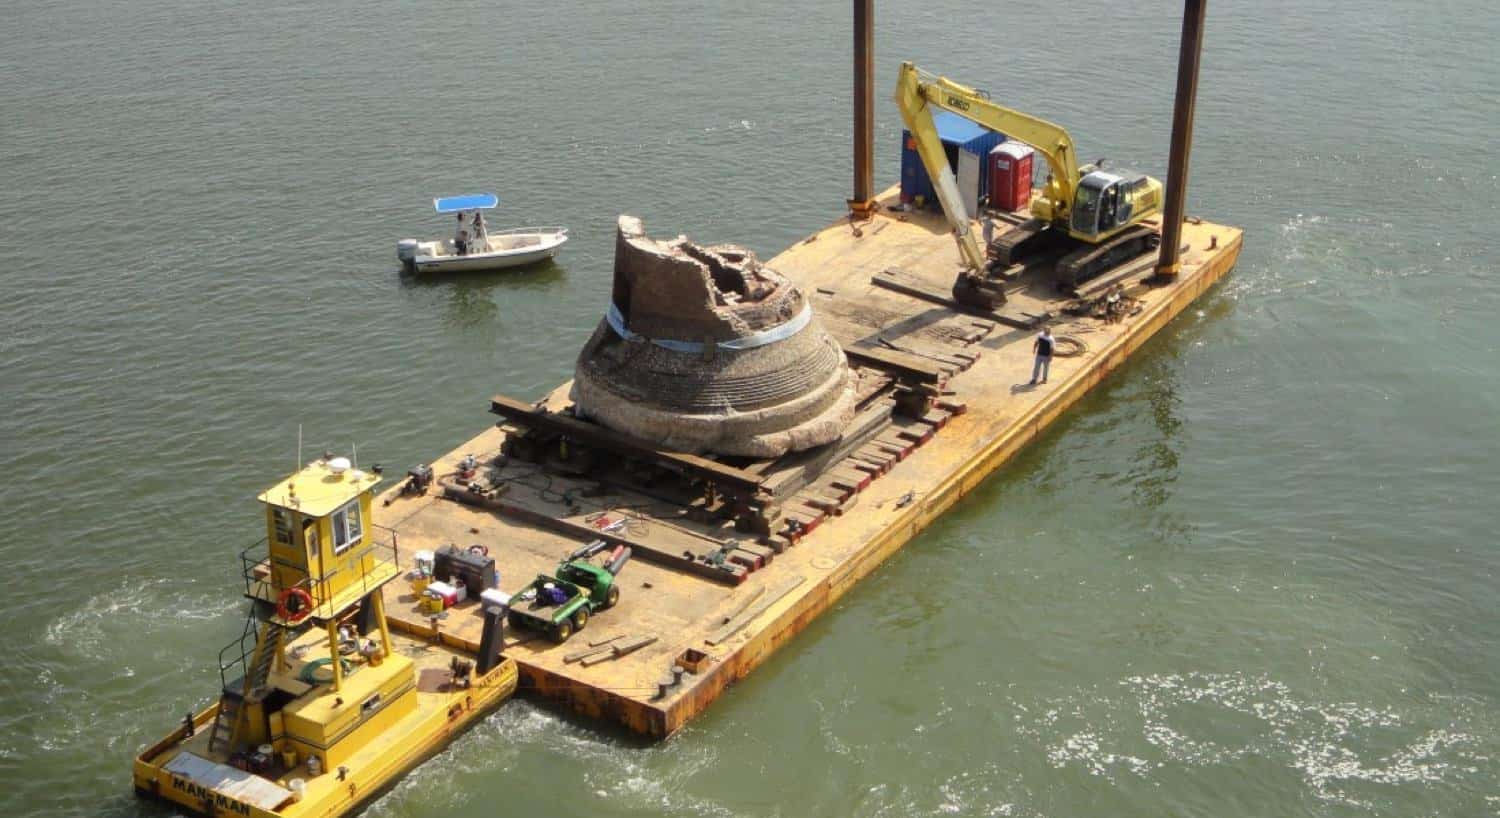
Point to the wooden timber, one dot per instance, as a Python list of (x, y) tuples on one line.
[(591, 434), (583, 534), (919, 468), (901, 281), (796, 470)]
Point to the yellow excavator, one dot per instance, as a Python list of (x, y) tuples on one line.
[(1094, 216)]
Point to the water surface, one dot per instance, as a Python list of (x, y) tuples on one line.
[(1254, 574)]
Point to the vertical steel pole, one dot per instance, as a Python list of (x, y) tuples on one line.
[(1169, 263), (862, 204)]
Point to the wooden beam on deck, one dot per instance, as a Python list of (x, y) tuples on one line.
[(727, 574), (788, 475), (727, 478), (899, 281)]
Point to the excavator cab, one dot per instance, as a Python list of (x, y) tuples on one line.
[(1106, 202)]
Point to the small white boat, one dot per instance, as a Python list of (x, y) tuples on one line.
[(490, 250)]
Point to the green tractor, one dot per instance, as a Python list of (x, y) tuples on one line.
[(560, 605)]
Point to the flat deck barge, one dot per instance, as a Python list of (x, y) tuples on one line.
[(734, 595)]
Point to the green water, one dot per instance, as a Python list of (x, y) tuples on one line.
[(1254, 574)]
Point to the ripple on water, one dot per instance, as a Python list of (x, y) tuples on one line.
[(523, 743), (1343, 751), (99, 663), (121, 621)]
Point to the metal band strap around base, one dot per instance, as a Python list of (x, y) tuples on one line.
[(779, 332)]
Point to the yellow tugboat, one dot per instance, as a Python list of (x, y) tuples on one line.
[(322, 706)]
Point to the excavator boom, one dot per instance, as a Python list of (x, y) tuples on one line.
[(1096, 216), (917, 92), (924, 132)]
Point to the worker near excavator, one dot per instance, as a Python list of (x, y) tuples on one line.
[(1043, 349)]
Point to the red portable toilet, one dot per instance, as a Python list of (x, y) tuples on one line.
[(1010, 176)]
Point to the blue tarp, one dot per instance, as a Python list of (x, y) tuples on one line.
[(954, 128), (476, 201), (957, 133)]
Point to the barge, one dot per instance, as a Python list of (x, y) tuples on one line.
[(740, 445), (732, 555)]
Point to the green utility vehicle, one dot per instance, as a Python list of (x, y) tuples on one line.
[(561, 605)]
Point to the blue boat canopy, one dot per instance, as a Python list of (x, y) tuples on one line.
[(476, 201)]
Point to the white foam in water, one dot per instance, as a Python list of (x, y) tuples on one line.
[(1084, 748), (519, 736), (1324, 741), (138, 609), (979, 790)]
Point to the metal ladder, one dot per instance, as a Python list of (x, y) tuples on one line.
[(257, 672), (224, 723)]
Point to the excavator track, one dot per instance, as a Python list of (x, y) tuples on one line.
[(1090, 260), (1025, 239)]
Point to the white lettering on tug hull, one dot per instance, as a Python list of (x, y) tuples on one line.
[(208, 796)]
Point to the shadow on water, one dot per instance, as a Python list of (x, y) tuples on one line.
[(470, 303), (1136, 410), (1156, 460)]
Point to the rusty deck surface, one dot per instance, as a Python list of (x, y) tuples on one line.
[(991, 414)]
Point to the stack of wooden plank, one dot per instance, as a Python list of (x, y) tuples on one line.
[(837, 488), (912, 357), (608, 650), (900, 281)]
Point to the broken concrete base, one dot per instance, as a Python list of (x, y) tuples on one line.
[(711, 351), (810, 420)]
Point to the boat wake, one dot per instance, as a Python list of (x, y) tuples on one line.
[(1343, 751), (115, 620), (523, 743)]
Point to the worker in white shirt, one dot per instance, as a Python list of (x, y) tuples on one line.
[(1043, 348)]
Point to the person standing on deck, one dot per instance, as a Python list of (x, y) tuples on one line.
[(1043, 350), (480, 234), (461, 236)]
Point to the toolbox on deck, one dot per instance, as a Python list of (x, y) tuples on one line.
[(473, 568)]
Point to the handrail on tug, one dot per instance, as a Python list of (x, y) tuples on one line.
[(244, 654), (251, 561)]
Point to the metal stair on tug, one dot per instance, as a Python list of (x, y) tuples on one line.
[(257, 663)]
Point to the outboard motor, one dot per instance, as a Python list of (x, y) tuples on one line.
[(406, 251)]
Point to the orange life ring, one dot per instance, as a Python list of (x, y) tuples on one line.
[(284, 608)]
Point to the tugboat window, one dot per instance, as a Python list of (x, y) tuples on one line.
[(346, 528), (282, 520)]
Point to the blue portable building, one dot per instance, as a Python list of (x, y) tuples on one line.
[(968, 146)]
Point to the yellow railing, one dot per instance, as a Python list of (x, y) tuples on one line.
[(380, 545)]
